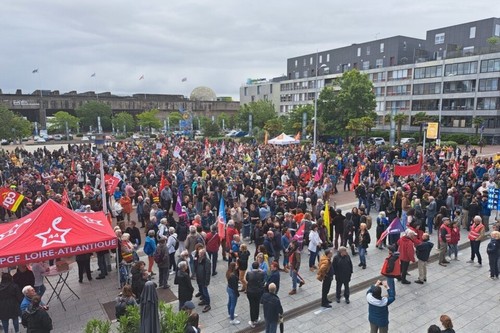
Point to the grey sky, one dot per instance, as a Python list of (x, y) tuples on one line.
[(213, 43)]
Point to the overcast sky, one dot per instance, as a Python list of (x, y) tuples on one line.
[(218, 43)]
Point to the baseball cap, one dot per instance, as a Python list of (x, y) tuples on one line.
[(188, 306)]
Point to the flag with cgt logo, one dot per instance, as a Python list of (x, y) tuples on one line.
[(10, 199)]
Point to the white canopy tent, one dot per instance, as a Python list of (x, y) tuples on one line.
[(283, 139)]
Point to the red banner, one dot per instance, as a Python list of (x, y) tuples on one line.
[(10, 199), (407, 170), (65, 198), (111, 183)]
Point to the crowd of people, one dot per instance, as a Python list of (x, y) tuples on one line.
[(187, 203)]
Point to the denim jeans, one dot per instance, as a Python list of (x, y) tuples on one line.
[(231, 302), (163, 276), (213, 259), (430, 224), (204, 293), (40, 290), (5, 324), (452, 249), (362, 255), (474, 251), (312, 258), (295, 279), (271, 327)]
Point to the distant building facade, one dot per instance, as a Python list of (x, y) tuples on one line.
[(454, 74), (37, 106)]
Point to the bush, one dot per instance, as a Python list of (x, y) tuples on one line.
[(379, 133), (459, 138), (246, 139), (449, 143), (131, 321), (171, 321), (98, 326), (79, 135)]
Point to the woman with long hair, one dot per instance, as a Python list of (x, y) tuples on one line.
[(232, 291)]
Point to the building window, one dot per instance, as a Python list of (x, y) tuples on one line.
[(366, 65), (321, 59), (379, 63), (469, 50), (368, 50), (305, 61), (489, 84), (428, 72), (258, 90), (271, 89), (296, 63), (246, 91), (265, 97), (253, 98), (472, 32), (310, 60), (492, 65), (359, 52), (328, 57), (497, 30), (382, 46), (439, 38), (297, 75), (462, 68), (305, 73)]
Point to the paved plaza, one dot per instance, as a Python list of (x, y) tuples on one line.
[(463, 291)]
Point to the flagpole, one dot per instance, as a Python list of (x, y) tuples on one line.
[(423, 151)]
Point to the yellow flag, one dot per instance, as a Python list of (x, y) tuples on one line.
[(265, 137), (326, 219)]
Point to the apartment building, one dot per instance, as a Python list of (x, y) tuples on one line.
[(454, 74)]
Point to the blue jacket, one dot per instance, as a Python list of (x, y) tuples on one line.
[(150, 246), (274, 278), (378, 309)]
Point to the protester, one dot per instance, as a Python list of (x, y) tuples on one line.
[(476, 235), (272, 309), (183, 280), (162, 259), (125, 299), (493, 251), (325, 275), (423, 252), (255, 289), (36, 318), (378, 305), (233, 293), (10, 300), (203, 274), (362, 241), (342, 266), (447, 324)]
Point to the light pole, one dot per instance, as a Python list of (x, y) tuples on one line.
[(316, 101), (99, 143)]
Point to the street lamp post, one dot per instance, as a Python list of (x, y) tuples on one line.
[(316, 101), (99, 143)]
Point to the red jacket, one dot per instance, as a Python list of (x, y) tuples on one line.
[(406, 250), (230, 232), (455, 235), (212, 242)]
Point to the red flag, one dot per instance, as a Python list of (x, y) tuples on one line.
[(299, 235), (73, 166), (163, 182), (65, 198), (407, 170), (355, 180), (111, 183), (10, 199), (319, 173), (455, 170)]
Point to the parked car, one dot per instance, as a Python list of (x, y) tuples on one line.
[(40, 139), (58, 137), (376, 141), (5, 142), (405, 141), (231, 133), (85, 138), (240, 134)]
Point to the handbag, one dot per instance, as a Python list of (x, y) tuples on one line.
[(128, 257)]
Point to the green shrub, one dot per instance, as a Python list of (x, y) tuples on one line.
[(171, 321), (246, 139), (131, 321), (98, 326), (449, 143), (380, 133), (460, 138), (79, 135)]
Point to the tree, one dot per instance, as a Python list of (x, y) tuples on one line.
[(399, 119), (274, 126), (210, 128), (419, 119), (477, 122), (61, 118), (13, 126), (294, 122), (355, 126), (261, 112), (367, 123), (229, 120), (124, 121), (89, 112), (354, 99), (148, 119)]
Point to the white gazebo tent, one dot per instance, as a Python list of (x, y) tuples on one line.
[(283, 139)]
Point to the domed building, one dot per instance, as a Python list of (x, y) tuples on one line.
[(203, 94)]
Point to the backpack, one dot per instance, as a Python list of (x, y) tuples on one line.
[(176, 246), (120, 308), (25, 318), (158, 256)]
